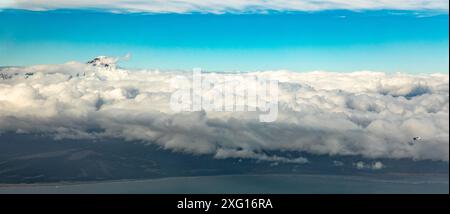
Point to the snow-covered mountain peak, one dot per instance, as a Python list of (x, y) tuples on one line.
[(103, 62)]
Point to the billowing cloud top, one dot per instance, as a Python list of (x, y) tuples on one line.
[(233, 6), (372, 114)]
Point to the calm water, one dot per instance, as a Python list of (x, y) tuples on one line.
[(250, 184)]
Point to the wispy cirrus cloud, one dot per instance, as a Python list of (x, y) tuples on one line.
[(230, 6)]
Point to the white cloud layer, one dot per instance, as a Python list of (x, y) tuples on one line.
[(372, 114), (239, 6)]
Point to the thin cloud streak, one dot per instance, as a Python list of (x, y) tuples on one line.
[(231, 6)]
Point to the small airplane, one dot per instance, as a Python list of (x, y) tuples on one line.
[(414, 141)]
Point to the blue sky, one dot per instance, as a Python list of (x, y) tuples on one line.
[(333, 40)]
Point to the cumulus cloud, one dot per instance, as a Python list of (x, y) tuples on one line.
[(211, 6), (370, 114), (373, 166)]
